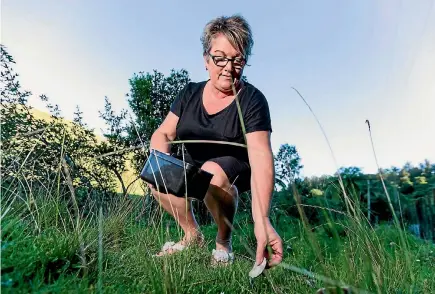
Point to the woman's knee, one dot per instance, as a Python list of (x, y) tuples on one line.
[(219, 178), (160, 194)]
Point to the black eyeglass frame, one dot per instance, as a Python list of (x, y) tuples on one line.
[(227, 60)]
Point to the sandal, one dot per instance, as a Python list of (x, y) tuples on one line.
[(171, 247), (222, 257)]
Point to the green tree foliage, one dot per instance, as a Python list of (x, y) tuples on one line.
[(150, 99), (410, 188), (113, 153), (15, 120), (36, 151), (350, 172), (287, 165)]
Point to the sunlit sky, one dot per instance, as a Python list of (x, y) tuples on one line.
[(351, 60)]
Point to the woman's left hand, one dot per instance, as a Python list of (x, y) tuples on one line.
[(267, 237)]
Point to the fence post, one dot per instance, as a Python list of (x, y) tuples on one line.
[(432, 209), (368, 200)]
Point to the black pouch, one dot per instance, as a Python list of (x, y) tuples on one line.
[(169, 174)]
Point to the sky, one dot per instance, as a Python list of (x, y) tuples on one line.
[(351, 61)]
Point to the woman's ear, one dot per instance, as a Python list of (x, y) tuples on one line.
[(206, 59)]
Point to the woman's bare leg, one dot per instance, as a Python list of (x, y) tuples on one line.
[(181, 209), (221, 200)]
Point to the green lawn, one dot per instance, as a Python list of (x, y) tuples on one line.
[(51, 260)]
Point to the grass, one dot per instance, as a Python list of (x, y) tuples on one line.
[(51, 244), (119, 257)]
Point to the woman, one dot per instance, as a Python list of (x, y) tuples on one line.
[(208, 111)]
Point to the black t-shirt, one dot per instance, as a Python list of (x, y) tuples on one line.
[(196, 124)]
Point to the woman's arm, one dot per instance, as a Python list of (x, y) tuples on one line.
[(262, 182), (165, 133), (262, 173)]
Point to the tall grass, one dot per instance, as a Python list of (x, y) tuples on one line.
[(51, 244), (118, 252)]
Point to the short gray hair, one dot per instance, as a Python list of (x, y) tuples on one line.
[(235, 28)]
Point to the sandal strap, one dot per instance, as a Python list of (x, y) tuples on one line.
[(172, 245), (178, 247), (167, 246), (222, 255)]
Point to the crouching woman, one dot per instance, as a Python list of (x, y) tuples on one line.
[(208, 111)]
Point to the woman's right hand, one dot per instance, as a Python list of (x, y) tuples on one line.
[(267, 237), (164, 134)]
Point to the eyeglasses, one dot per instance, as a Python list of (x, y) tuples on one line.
[(222, 61)]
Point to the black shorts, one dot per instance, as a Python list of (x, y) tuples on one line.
[(237, 171)]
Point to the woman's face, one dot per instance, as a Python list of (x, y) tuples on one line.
[(220, 70)]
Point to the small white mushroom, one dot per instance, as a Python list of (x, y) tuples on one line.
[(257, 269)]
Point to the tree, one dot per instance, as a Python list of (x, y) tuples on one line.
[(150, 99), (114, 152), (351, 176), (37, 151), (287, 165), (406, 185), (12, 96), (350, 172)]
